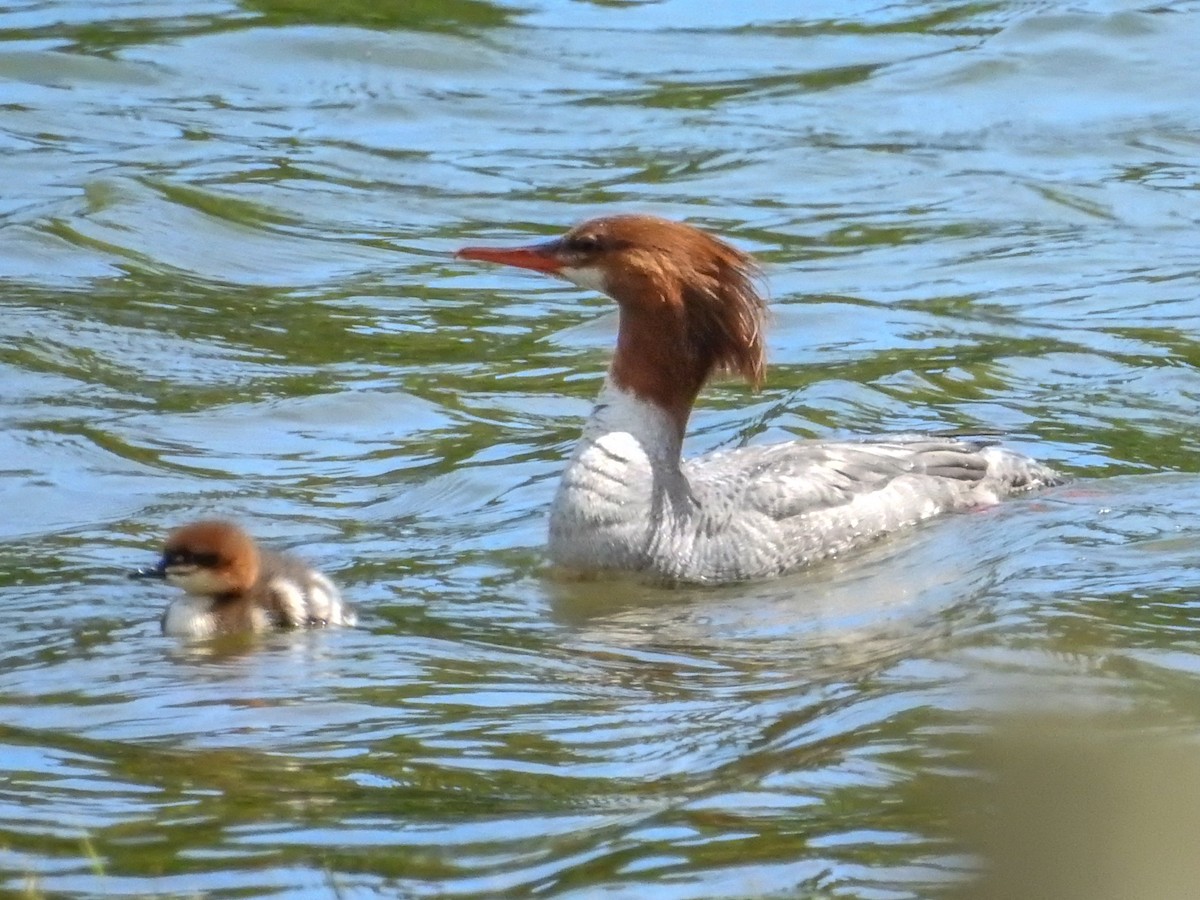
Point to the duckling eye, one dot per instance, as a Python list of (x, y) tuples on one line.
[(583, 243), (188, 558)]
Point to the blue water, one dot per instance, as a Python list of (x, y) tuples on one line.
[(228, 289)]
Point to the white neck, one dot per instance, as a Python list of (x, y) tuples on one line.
[(632, 428), (623, 483)]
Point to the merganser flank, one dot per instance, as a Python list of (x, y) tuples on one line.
[(233, 585), (690, 307)]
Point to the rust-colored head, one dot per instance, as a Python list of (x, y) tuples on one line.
[(208, 558), (690, 303)]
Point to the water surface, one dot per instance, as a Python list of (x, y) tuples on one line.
[(227, 290)]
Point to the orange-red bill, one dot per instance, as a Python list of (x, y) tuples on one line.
[(538, 257)]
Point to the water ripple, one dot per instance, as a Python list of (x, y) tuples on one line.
[(229, 290)]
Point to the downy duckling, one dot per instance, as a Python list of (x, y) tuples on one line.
[(233, 585)]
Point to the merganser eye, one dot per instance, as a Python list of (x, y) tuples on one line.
[(583, 243)]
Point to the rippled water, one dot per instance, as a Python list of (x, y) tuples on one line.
[(224, 236)]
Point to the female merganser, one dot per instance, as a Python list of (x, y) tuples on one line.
[(689, 306), (232, 585)]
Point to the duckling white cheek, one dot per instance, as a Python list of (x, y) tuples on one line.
[(589, 278), (197, 581)]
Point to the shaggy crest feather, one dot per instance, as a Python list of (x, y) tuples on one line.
[(714, 285)]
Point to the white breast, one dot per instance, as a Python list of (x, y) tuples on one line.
[(190, 616)]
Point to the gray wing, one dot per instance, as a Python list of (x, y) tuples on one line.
[(798, 478), (286, 580), (303, 597)]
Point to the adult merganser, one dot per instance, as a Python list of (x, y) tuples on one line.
[(689, 307), (233, 585)]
